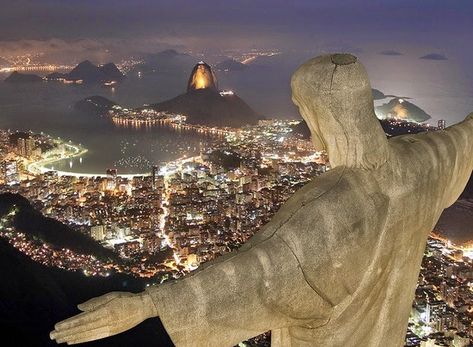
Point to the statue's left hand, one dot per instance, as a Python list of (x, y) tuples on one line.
[(105, 316)]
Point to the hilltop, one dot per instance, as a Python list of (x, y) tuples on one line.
[(203, 104), (87, 72), (209, 107), (17, 77)]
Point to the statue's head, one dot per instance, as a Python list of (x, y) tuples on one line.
[(334, 97)]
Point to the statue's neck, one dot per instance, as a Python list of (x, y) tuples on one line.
[(359, 142)]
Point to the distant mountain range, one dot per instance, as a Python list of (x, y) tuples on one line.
[(17, 77), (230, 65), (94, 104), (166, 61), (90, 73)]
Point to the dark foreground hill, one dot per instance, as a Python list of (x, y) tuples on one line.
[(48, 230), (90, 73), (34, 297)]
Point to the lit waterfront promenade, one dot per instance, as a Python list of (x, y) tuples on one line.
[(150, 122), (39, 167)]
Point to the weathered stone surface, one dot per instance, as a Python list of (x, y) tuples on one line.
[(338, 264)]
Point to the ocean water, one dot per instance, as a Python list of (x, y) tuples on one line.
[(48, 107), (443, 89)]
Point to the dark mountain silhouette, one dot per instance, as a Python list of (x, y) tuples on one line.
[(301, 130), (400, 108), (111, 71), (94, 104), (204, 105), (208, 107), (56, 76), (231, 65), (166, 61), (377, 94), (17, 77), (90, 73)]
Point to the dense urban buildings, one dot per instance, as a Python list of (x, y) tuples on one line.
[(191, 210)]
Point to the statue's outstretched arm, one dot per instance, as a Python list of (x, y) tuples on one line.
[(239, 296), (459, 148), (451, 153), (104, 316), (236, 297)]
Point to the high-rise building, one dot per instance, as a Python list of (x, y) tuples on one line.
[(112, 177), (25, 146), (10, 172), (97, 232), (21, 147), (441, 124), (157, 179), (29, 146)]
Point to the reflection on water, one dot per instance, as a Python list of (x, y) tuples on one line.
[(48, 107)]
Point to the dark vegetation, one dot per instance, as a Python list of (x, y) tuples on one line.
[(48, 230)]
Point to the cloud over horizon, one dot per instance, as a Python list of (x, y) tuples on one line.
[(390, 52), (434, 56)]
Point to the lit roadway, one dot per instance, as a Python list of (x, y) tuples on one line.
[(168, 170)]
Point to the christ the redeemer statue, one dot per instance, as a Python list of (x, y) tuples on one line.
[(338, 264)]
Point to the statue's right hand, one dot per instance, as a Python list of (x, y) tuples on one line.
[(105, 316)]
